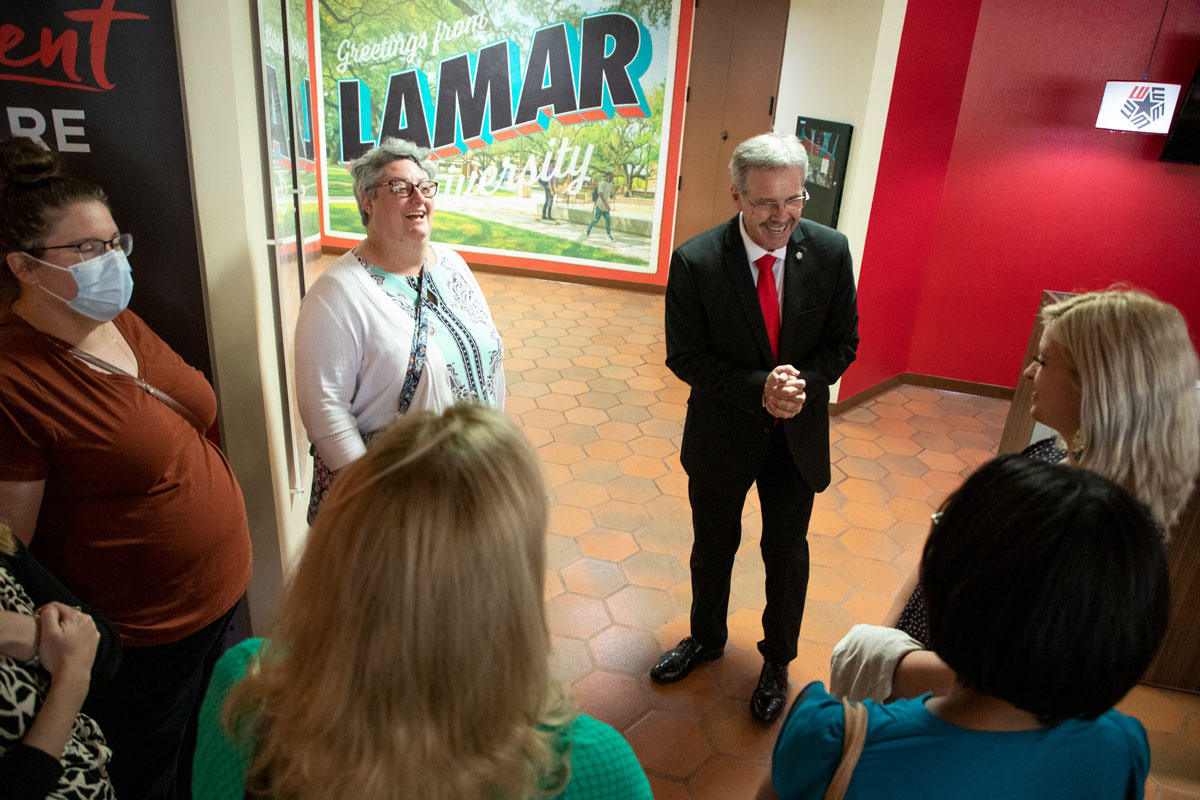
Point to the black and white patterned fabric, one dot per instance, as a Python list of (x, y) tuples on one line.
[(23, 689), (913, 619)]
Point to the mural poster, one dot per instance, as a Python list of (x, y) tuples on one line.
[(527, 106), (288, 115)]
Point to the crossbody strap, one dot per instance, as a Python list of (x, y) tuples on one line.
[(166, 399), (416, 354), (852, 747)]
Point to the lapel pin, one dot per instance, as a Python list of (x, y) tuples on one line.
[(799, 255)]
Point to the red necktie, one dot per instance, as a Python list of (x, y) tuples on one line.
[(768, 298)]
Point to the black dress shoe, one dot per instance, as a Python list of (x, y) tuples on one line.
[(770, 696), (676, 663)]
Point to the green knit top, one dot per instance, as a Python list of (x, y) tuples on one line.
[(603, 765)]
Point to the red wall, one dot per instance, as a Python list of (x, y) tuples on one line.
[(985, 199), (931, 68)]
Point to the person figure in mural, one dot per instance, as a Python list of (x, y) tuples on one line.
[(548, 182), (396, 323), (409, 658), (761, 318), (116, 490), (604, 195)]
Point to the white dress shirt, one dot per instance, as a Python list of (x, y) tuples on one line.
[(754, 253)]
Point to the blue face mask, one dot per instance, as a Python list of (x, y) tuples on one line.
[(105, 285)]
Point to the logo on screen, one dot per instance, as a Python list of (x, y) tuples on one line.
[(1144, 105)]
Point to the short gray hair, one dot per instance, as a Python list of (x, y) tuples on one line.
[(369, 166), (767, 151)]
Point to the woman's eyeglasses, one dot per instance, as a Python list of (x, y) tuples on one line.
[(91, 248), (403, 188)]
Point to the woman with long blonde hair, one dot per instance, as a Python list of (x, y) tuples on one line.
[(1115, 377), (1133, 369), (409, 657)]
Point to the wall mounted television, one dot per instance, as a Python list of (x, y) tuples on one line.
[(1183, 140)]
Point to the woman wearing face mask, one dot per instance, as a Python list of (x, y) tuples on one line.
[(107, 474)]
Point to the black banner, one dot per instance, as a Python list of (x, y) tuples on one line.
[(98, 81)]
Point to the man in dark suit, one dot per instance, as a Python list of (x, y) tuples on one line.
[(760, 320)]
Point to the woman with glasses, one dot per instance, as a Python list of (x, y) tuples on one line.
[(409, 656), (394, 324), (1115, 378), (106, 472)]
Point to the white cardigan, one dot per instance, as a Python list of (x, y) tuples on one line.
[(352, 348)]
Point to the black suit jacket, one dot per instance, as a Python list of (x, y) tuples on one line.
[(717, 344)]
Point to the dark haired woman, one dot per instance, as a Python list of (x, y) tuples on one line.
[(117, 491), (1047, 595)]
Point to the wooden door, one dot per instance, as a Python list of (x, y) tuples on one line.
[(1177, 665), (733, 82)]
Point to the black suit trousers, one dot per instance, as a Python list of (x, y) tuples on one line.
[(786, 503)]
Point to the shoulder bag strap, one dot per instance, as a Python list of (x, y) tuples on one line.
[(852, 747), (416, 354), (159, 394), (166, 399)]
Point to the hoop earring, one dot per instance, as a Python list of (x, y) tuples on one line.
[(1079, 443)]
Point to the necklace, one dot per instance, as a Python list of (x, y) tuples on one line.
[(19, 311), (365, 250), (123, 346)]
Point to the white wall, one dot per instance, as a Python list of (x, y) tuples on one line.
[(220, 87), (839, 59), (838, 62)]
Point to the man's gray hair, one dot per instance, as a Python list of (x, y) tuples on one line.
[(767, 151), (370, 165)]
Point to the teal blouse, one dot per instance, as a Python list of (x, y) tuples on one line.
[(460, 327), (911, 753)]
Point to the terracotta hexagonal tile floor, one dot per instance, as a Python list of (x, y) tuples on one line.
[(587, 382)]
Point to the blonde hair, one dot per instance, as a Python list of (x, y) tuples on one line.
[(410, 651), (1140, 411)]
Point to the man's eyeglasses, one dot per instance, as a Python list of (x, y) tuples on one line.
[(771, 206), (91, 248), (403, 188)]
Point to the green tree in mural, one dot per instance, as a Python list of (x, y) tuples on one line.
[(367, 22), (371, 40), (650, 12), (370, 21), (630, 144)]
